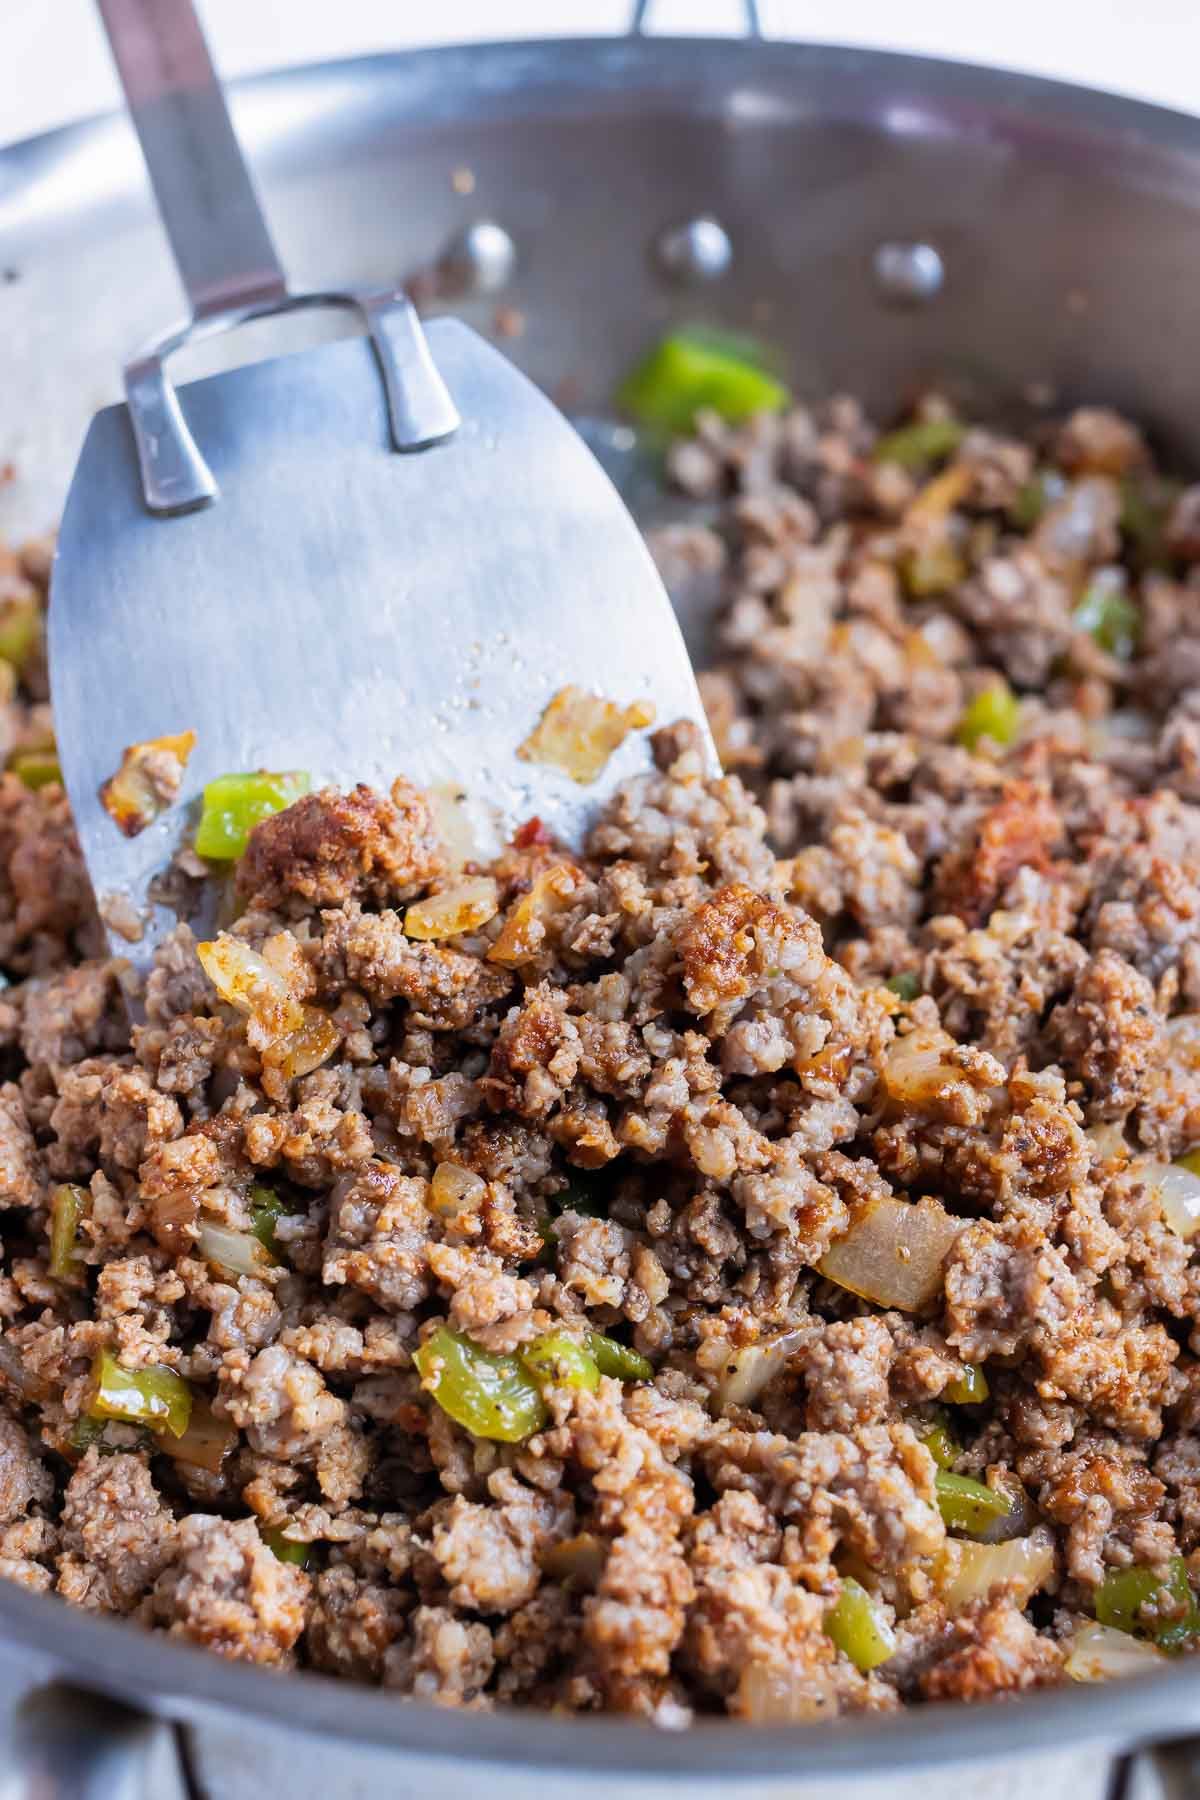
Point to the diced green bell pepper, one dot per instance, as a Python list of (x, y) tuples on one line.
[(1111, 619), (690, 372), (994, 713), (36, 768), (235, 804), (491, 1396), (20, 629), (288, 1550), (618, 1360), (1124, 1594), (942, 1445), (905, 986), (968, 1505), (970, 1388), (266, 1210), (859, 1628), (155, 1396), (67, 1208), (924, 441)]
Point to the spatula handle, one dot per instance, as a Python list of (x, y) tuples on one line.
[(222, 247)]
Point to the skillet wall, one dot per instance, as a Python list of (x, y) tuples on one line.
[(1069, 223)]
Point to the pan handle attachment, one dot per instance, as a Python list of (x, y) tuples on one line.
[(751, 21), (223, 250)]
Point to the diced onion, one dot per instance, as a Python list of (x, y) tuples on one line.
[(238, 1252), (918, 1067), (455, 1192), (1101, 1653), (971, 1570), (578, 732), (206, 1442), (248, 983), (1021, 1516), (464, 907), (147, 781), (579, 1560), (1178, 1191), (753, 1367), (768, 1695), (524, 931), (313, 1042), (894, 1252)]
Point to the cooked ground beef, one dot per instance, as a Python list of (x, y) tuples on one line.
[(892, 992)]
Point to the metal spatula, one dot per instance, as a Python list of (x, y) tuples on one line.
[(384, 555)]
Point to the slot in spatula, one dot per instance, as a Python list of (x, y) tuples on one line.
[(385, 555)]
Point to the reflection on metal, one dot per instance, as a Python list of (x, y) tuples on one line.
[(696, 252), (909, 273), (480, 259)]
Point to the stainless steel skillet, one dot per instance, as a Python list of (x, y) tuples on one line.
[(1067, 225)]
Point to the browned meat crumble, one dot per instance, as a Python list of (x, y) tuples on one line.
[(646, 1098)]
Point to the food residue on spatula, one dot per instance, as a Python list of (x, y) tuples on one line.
[(578, 732), (147, 781)]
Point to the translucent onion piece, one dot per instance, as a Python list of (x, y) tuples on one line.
[(206, 1442), (455, 1192), (578, 732), (894, 1253), (918, 1067), (464, 907), (250, 985), (238, 1252), (970, 1571), (941, 495), (783, 1696), (752, 1368), (524, 931), (1178, 1190), (579, 1560), (312, 1043), (449, 806), (1101, 1653), (147, 781)]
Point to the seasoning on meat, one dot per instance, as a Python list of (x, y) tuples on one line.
[(750, 1265)]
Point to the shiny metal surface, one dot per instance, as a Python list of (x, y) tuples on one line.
[(226, 260), (342, 611), (348, 611), (1069, 226), (479, 259), (909, 274), (696, 252)]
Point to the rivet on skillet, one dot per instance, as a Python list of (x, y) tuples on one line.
[(695, 252), (479, 259), (909, 273)]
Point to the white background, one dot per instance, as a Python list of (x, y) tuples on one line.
[(53, 64)]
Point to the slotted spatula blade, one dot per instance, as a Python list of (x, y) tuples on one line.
[(349, 611), (319, 601)]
